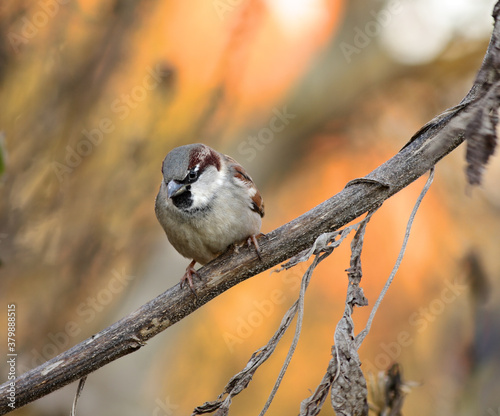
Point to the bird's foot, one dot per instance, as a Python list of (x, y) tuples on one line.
[(252, 240), (188, 276)]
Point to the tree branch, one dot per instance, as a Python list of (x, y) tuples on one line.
[(429, 145)]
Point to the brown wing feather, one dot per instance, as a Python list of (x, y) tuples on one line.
[(242, 175)]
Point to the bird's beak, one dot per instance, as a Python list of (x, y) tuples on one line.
[(175, 188)]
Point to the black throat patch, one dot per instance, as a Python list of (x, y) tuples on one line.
[(183, 201)]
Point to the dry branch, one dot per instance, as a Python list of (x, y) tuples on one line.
[(429, 145)]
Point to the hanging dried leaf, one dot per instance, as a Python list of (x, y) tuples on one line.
[(481, 135)]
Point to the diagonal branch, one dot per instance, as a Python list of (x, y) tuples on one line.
[(427, 147)]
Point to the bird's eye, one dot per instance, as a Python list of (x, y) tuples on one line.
[(192, 175)]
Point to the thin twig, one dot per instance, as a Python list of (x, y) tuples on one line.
[(298, 327), (241, 380), (361, 336), (79, 390)]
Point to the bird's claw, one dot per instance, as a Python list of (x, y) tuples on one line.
[(188, 276), (253, 240)]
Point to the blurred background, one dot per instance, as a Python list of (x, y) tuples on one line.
[(307, 95)]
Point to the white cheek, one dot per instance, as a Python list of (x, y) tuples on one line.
[(206, 188)]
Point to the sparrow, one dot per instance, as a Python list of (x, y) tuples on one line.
[(206, 203)]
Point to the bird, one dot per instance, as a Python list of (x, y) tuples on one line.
[(206, 203)]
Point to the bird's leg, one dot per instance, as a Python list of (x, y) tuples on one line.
[(253, 240), (188, 276)]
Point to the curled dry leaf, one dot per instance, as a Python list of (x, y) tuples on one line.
[(481, 135)]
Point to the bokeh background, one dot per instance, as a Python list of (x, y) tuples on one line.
[(307, 95)]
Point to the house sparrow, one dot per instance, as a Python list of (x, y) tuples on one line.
[(206, 203)]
